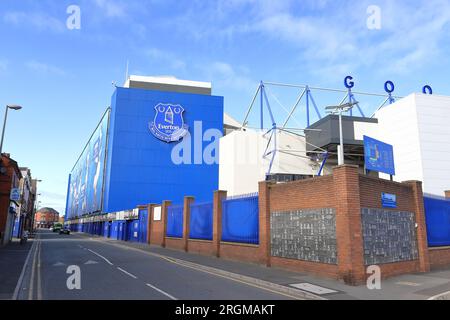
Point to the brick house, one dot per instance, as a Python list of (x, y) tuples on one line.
[(10, 176)]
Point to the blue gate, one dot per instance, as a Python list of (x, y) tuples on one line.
[(201, 221), (132, 230), (437, 213), (240, 219), (175, 221), (143, 222)]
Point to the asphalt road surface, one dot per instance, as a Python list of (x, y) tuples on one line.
[(111, 272)]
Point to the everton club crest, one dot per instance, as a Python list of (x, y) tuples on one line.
[(168, 124)]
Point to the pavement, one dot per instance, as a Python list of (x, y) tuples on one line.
[(12, 260), (117, 270)]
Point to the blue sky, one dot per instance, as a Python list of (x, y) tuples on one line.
[(63, 77)]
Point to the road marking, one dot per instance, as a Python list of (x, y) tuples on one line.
[(39, 282), (409, 284), (230, 278), (205, 271), (127, 273), (161, 291), (99, 255), (22, 274), (59, 264), (31, 286)]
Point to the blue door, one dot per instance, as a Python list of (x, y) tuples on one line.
[(143, 223), (122, 231), (132, 233)]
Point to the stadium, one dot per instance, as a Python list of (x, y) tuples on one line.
[(164, 154)]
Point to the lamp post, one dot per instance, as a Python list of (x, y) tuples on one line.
[(13, 107), (341, 109)]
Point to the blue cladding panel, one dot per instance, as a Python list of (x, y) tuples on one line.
[(175, 221), (240, 220), (437, 213), (86, 180), (140, 168), (201, 224)]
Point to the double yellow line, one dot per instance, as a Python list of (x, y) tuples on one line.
[(36, 272)]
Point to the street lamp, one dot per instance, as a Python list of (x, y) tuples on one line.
[(341, 109), (13, 107)]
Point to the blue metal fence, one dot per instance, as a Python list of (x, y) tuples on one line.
[(175, 221), (201, 224), (240, 219), (437, 213)]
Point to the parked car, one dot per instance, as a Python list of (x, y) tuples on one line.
[(51, 228), (64, 231)]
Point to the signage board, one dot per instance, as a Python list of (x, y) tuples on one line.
[(388, 200), (157, 213), (15, 194), (379, 156)]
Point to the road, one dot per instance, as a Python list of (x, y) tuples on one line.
[(112, 272)]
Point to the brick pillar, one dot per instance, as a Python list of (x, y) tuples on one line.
[(422, 241), (348, 224), (217, 220), (150, 220), (186, 220), (447, 194), (264, 221), (165, 205)]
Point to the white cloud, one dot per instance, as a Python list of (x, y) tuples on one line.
[(225, 75), (112, 9), (170, 59), (330, 35), (43, 68), (38, 20)]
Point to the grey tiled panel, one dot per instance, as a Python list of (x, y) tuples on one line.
[(308, 235)]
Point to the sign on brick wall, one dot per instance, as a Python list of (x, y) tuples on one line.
[(389, 236), (308, 235)]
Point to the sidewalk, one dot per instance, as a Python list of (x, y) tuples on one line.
[(12, 260), (405, 287)]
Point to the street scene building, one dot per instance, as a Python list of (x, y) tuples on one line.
[(248, 151), (45, 218), (18, 198)]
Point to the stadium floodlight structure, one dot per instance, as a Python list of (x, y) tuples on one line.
[(339, 110)]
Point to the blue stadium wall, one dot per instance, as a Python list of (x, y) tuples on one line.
[(139, 168)]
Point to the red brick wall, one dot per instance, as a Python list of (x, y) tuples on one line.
[(201, 247), (371, 189), (156, 229), (312, 193), (175, 243), (321, 269), (370, 193), (439, 257), (346, 191), (239, 252), (398, 268)]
